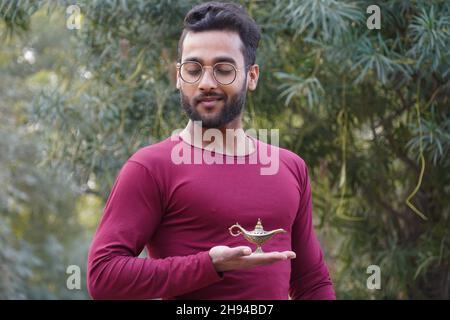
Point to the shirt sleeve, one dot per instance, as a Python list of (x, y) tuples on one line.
[(131, 216), (309, 273)]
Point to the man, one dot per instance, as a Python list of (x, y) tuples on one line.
[(181, 212)]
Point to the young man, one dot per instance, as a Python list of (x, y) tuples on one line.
[(181, 211)]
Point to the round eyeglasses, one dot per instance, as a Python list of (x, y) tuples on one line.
[(223, 72)]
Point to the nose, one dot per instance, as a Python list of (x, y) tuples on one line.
[(207, 81)]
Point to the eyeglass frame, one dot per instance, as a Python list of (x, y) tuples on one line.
[(179, 65)]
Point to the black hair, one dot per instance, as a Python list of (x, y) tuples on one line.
[(227, 16)]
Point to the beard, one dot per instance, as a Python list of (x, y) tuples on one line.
[(232, 108)]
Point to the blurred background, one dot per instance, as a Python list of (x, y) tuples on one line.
[(82, 88)]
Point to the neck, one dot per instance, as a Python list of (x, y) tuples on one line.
[(229, 139)]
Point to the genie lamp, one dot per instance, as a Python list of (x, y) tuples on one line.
[(258, 236)]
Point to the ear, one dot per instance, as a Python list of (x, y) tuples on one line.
[(252, 79)]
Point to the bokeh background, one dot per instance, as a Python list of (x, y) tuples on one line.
[(368, 110)]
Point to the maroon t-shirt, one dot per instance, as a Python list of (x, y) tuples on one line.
[(178, 211)]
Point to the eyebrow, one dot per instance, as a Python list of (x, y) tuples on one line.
[(215, 60)]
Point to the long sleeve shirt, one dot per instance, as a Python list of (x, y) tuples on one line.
[(178, 211)]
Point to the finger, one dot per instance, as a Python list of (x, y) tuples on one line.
[(289, 254), (264, 258), (278, 255), (238, 252), (275, 256)]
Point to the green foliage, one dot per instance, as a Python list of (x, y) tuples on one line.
[(16, 14), (40, 233), (367, 110), (435, 138), (430, 36), (327, 19)]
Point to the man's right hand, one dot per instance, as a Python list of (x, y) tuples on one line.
[(225, 258)]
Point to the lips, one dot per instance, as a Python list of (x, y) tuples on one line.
[(209, 101)]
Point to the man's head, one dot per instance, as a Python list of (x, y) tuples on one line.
[(219, 35)]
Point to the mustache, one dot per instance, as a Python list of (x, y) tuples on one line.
[(209, 95)]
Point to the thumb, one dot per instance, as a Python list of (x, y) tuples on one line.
[(239, 252)]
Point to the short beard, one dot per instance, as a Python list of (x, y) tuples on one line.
[(229, 112)]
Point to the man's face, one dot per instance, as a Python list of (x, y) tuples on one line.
[(207, 100)]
